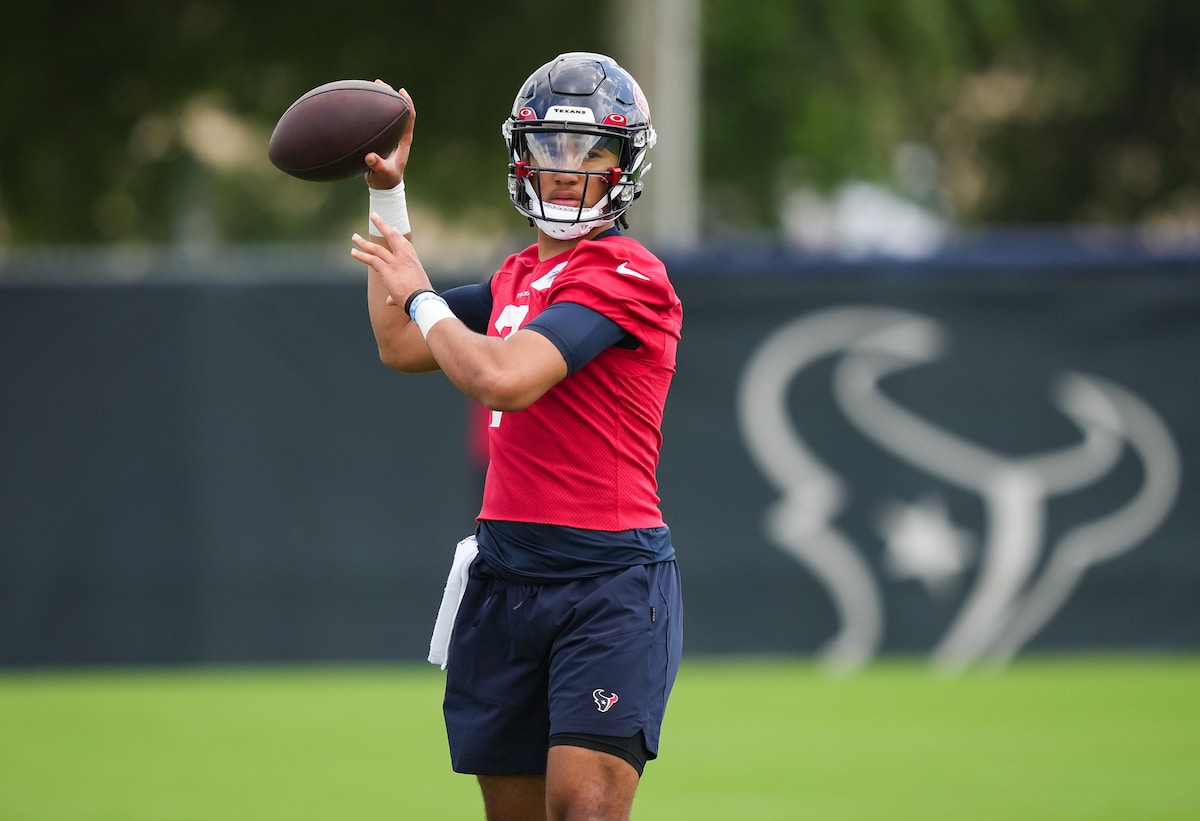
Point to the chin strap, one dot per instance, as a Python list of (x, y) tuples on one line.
[(570, 230)]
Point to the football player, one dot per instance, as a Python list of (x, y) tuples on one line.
[(566, 642)]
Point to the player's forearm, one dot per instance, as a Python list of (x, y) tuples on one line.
[(462, 355), (501, 374), (401, 346)]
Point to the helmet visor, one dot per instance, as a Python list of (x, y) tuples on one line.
[(572, 150)]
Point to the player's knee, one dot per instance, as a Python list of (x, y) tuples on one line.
[(585, 784)]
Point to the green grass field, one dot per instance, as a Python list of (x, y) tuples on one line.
[(1099, 738)]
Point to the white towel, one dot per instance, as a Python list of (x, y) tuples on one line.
[(456, 586)]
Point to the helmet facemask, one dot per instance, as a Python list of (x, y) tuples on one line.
[(541, 151)]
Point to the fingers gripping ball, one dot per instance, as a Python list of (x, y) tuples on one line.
[(325, 134)]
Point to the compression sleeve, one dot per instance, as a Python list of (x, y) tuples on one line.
[(472, 304), (578, 332)]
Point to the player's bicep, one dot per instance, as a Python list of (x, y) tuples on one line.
[(580, 333)]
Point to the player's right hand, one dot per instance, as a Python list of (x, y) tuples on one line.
[(387, 172)]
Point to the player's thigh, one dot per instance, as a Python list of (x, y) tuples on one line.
[(495, 702), (616, 657)]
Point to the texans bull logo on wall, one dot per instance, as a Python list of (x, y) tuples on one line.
[(1010, 572)]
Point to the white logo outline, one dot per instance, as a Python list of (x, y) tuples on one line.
[(604, 701), (1010, 601)]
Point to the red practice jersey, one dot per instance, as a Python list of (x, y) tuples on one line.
[(585, 454)]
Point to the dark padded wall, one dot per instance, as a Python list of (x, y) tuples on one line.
[(857, 462)]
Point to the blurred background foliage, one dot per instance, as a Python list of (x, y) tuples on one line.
[(147, 122), (994, 111)]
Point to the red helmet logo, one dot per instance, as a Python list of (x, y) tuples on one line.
[(526, 113), (615, 119)]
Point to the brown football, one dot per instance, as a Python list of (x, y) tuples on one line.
[(325, 134)]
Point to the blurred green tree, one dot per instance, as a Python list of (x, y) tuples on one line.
[(1032, 112), (141, 121), (148, 121)]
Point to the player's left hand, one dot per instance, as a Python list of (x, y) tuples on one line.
[(396, 263)]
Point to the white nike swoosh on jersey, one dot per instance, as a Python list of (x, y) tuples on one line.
[(624, 268)]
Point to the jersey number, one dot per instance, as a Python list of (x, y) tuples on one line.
[(507, 324)]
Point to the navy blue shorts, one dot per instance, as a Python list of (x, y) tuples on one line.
[(594, 656)]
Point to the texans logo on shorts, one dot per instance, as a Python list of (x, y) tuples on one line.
[(603, 702)]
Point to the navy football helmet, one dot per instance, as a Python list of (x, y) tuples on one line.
[(576, 107)]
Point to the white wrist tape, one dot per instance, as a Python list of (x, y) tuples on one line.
[(392, 205), (427, 310)]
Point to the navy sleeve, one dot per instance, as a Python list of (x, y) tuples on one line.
[(578, 332), (472, 304)]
